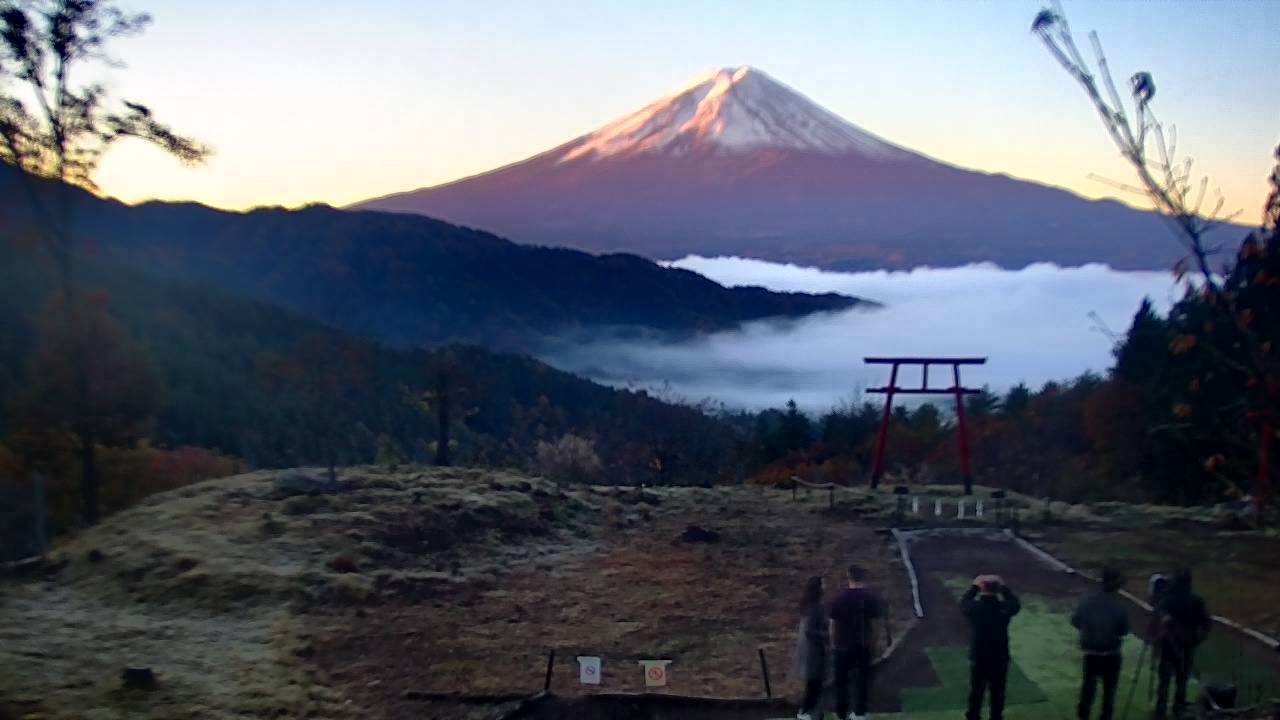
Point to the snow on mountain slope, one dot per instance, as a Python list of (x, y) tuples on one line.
[(732, 110), (736, 163)]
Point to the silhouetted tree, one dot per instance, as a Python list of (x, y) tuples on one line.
[(324, 375), (982, 405), (794, 430), (1017, 399), (119, 399), (56, 128), (449, 389)]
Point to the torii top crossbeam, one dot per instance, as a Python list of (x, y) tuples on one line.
[(956, 389)]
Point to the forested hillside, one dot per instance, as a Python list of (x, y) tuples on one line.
[(194, 367), (409, 280)]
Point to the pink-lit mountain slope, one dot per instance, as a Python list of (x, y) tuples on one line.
[(736, 163)]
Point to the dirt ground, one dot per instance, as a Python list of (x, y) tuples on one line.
[(708, 607)]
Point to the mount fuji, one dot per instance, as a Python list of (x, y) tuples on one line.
[(737, 163)]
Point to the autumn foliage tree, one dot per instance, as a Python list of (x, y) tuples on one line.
[(55, 128), (69, 408), (1226, 325)]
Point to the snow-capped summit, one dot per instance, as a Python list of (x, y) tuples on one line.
[(736, 163), (731, 110)]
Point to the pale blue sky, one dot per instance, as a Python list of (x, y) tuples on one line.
[(335, 102)]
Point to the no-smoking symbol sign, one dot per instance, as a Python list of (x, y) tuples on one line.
[(655, 672), (589, 670)]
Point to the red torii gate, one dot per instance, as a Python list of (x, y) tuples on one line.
[(958, 390)]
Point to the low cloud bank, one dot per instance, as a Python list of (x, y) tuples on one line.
[(1036, 324)]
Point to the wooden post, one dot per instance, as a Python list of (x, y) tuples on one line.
[(1264, 471), (831, 498), (795, 484), (551, 661), (39, 515), (764, 673)]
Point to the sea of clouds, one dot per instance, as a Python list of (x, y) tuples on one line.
[(1034, 325)]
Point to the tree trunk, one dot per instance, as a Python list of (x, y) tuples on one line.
[(442, 426), (89, 513)]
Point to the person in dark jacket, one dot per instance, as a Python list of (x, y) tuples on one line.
[(852, 613), (811, 646), (1183, 623), (989, 605), (1103, 622)]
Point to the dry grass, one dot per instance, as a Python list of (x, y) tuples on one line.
[(210, 585)]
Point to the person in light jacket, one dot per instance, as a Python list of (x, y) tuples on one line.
[(811, 647)]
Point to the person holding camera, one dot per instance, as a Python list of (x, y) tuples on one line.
[(989, 605)]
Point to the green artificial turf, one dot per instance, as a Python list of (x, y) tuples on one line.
[(1044, 681), (1043, 645), (952, 666)]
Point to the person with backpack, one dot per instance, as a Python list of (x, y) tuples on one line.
[(1183, 623), (1103, 622), (811, 646), (989, 605), (852, 613)]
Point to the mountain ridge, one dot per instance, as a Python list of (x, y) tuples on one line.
[(407, 280), (665, 191)]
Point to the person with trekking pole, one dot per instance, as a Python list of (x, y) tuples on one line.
[(811, 646), (989, 605), (1183, 622), (852, 613), (1103, 622)]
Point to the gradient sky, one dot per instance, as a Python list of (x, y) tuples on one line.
[(309, 101)]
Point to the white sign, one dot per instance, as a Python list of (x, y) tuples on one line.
[(915, 506), (960, 510), (937, 508), (978, 511), (589, 670), (655, 672)]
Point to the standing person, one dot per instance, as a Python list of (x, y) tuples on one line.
[(1103, 622), (852, 613), (1184, 623), (811, 650), (990, 605)]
